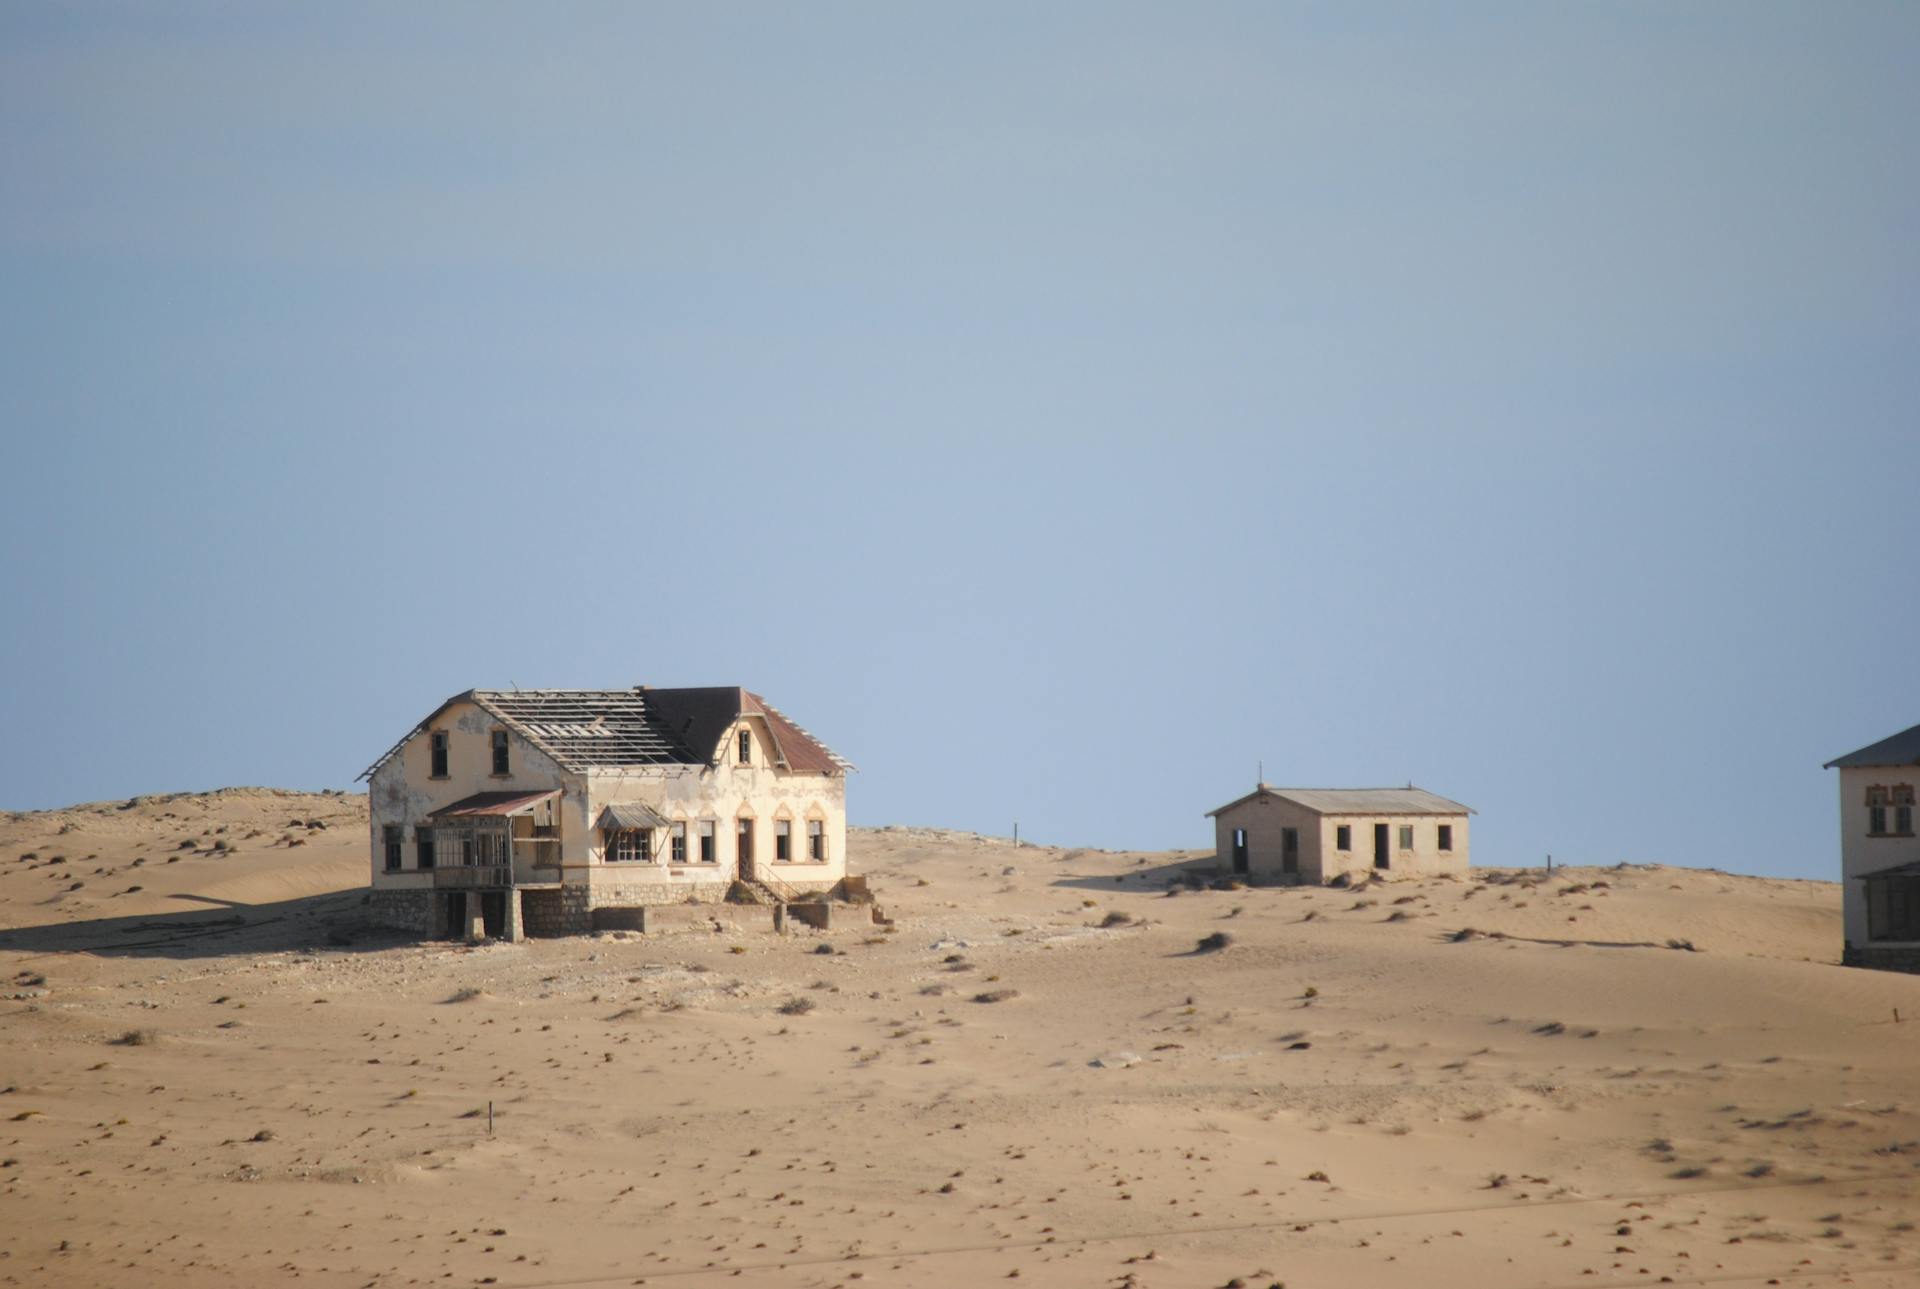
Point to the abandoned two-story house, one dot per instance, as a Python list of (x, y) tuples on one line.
[(1316, 835), (560, 811), (1879, 853)]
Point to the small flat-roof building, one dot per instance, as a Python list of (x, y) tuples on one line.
[(1302, 835), (1879, 854)]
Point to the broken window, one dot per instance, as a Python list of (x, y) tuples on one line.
[(394, 839), (707, 851), (1289, 850), (1343, 837), (816, 841), (423, 845), (439, 742), (630, 846), (500, 752), (782, 840), (1446, 836), (1406, 836), (677, 844), (746, 748), (1893, 908)]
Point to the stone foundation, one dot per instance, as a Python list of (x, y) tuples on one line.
[(1902, 957), (582, 910), (413, 911)]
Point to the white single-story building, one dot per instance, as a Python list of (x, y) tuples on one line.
[(1302, 835), (558, 811), (1879, 854)]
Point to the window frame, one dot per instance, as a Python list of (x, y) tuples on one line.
[(502, 757), (424, 856), (709, 836), (439, 754), (677, 842), (816, 841), (1343, 837), (1877, 822), (783, 841), (628, 846), (1403, 837), (393, 841), (744, 755), (1443, 837)]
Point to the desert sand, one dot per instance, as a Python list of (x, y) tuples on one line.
[(214, 1074)]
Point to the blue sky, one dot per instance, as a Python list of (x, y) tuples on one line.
[(1061, 408)]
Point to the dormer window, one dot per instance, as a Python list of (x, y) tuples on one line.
[(500, 763), (439, 743), (746, 748)]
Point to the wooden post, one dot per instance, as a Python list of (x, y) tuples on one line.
[(489, 1118), (1016, 832)]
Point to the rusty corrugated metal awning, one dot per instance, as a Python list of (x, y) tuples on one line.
[(494, 803), (630, 814)]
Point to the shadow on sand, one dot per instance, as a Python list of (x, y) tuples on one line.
[(1157, 876), (210, 928)]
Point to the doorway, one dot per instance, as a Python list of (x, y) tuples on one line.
[(1290, 851), (1239, 850), (1380, 852), (745, 850)]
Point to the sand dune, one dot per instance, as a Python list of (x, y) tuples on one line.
[(215, 1075)]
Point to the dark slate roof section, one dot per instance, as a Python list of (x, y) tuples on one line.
[(586, 729), (698, 718), (1902, 749)]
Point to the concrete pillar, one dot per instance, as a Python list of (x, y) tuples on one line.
[(780, 918), (516, 929), (476, 919)]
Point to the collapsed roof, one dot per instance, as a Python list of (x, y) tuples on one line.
[(594, 729)]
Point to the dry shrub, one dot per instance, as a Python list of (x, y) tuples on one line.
[(1213, 943), (996, 995), (465, 995), (1116, 918), (137, 1038), (796, 1006)]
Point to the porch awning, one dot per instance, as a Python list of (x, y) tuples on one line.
[(1898, 870), (631, 815), (494, 803)]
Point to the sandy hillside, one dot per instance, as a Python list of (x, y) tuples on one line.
[(213, 1075)]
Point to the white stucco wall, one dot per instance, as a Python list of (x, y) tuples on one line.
[(725, 794), (404, 791), (1861, 853)]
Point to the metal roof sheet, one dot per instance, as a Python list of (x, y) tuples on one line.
[(493, 803), (1901, 749), (630, 814), (1358, 801)]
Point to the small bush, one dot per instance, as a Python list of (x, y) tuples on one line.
[(466, 995), (796, 1006), (996, 995), (824, 949), (137, 1038), (1213, 943), (1116, 918)]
